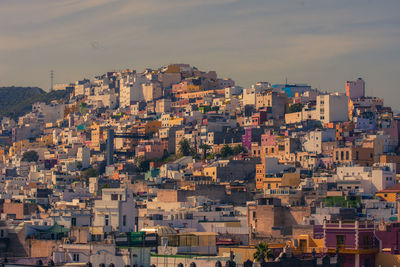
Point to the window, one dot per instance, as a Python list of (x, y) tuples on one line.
[(347, 155), (357, 155), (106, 220), (114, 196), (73, 221), (1, 233), (75, 257), (254, 214), (124, 220)]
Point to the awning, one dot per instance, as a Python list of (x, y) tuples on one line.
[(96, 230)]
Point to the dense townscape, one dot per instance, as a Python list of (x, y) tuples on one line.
[(177, 167)]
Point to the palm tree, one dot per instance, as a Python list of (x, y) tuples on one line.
[(205, 148), (185, 147), (262, 252)]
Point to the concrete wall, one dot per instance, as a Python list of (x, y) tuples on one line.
[(41, 248), (267, 219)]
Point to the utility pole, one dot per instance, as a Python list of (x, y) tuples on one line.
[(51, 79)]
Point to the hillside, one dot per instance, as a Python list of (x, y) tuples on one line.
[(16, 101)]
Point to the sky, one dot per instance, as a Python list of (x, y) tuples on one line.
[(320, 42)]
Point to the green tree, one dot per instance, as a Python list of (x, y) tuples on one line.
[(105, 186), (262, 252), (30, 156), (211, 156), (295, 108), (79, 165), (205, 148), (238, 149), (185, 148), (142, 164), (226, 151), (89, 173)]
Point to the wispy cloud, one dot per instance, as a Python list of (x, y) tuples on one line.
[(246, 39)]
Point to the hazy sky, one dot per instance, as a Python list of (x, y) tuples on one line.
[(321, 42)]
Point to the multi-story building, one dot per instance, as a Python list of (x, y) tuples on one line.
[(332, 108), (368, 180), (355, 89), (116, 211)]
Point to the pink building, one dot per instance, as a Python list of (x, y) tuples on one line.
[(268, 139), (355, 89)]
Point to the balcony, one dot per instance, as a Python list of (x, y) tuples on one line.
[(365, 249)]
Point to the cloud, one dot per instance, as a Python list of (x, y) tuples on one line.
[(241, 39)]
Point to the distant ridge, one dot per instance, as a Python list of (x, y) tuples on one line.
[(16, 101)]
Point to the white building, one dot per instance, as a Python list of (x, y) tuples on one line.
[(332, 108), (249, 94), (106, 99), (233, 90), (370, 179), (48, 113), (151, 91), (131, 89), (101, 255), (313, 140), (272, 166), (83, 155), (116, 211)]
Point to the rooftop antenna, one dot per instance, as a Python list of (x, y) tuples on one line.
[(51, 79), (286, 80)]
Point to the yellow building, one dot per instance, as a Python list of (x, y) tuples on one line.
[(175, 121), (390, 194), (306, 244), (45, 140), (2, 155), (211, 172), (152, 127), (173, 69), (98, 135), (19, 146)]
